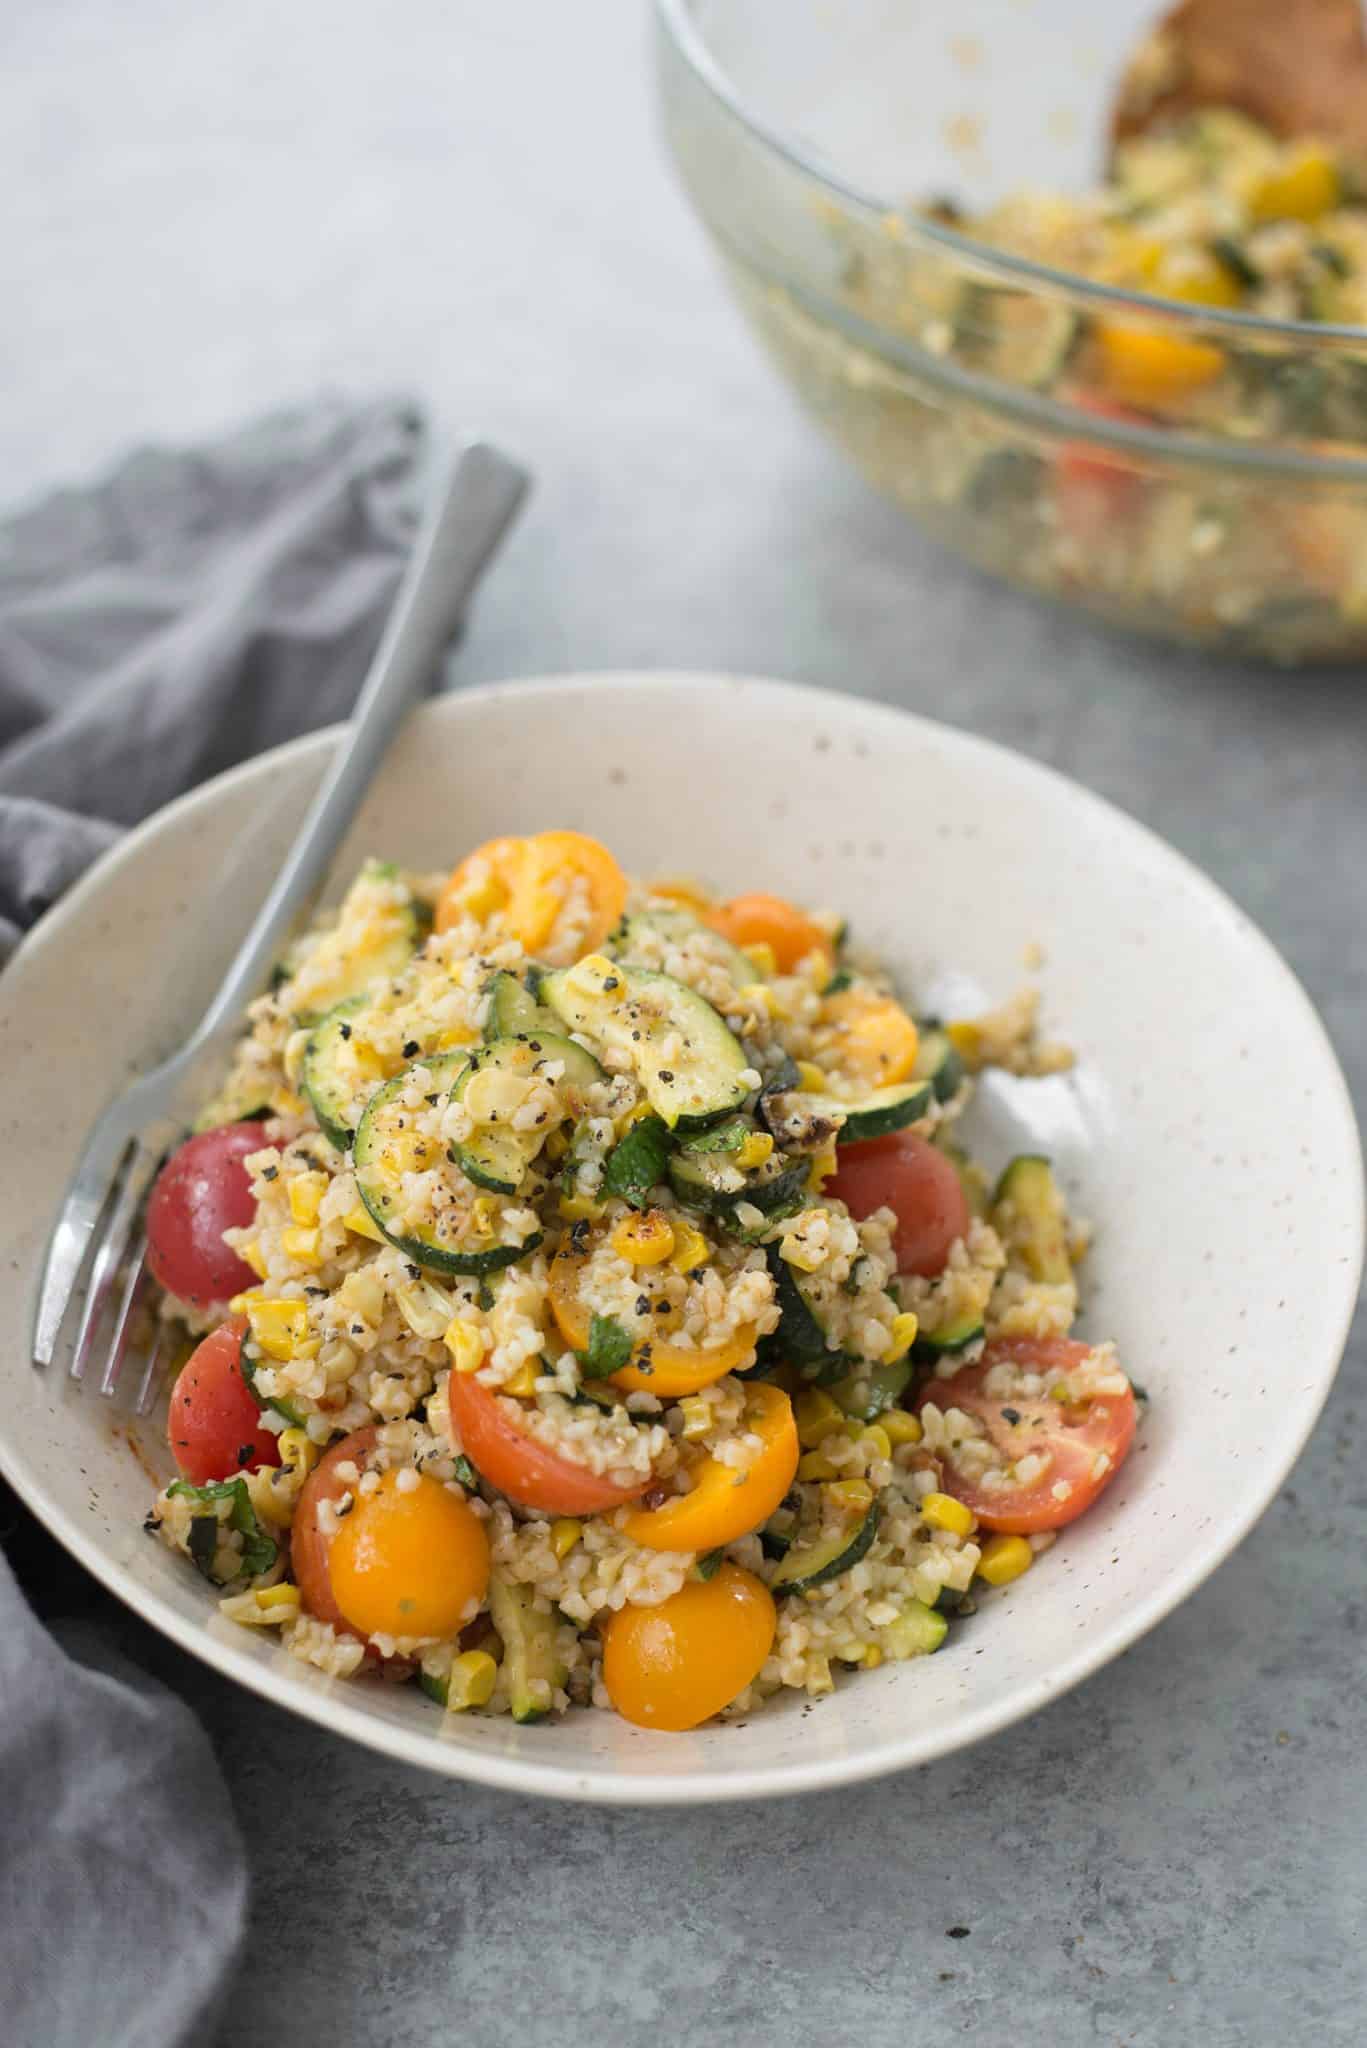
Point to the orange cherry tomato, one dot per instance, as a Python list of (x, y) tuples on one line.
[(528, 1472), (761, 920), (669, 1370), (866, 1036), (724, 1503), (213, 1422), (409, 1560), (309, 1547), (678, 1664), (1082, 1447), (523, 886)]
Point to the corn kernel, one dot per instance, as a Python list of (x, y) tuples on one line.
[(762, 958), (821, 1169), (306, 1196), (565, 1533), (276, 1597), (1004, 1558), (474, 1675), (899, 1427), (966, 1037), (300, 1244), (877, 1439), (810, 1078), (904, 1329), (361, 1223), (851, 1496), (756, 1149), (811, 1465), (281, 1329), (298, 1452), (240, 1303), (873, 1657), (794, 1252), (523, 1381), (942, 1511), (465, 1344), (817, 1415), (644, 1240), (252, 1254), (697, 1417), (1305, 186), (580, 1208), (757, 995), (691, 1248)]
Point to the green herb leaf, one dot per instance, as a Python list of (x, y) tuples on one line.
[(707, 1564), (466, 1474), (841, 979), (251, 1365), (637, 1163), (609, 1348), (724, 1137), (259, 1551)]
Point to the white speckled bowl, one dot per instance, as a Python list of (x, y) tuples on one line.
[(1206, 1130)]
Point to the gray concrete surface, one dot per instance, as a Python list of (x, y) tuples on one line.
[(212, 209)]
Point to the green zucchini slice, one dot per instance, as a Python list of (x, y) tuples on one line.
[(873, 1115), (687, 1061), (495, 1155), (636, 937), (938, 1062), (529, 1652), (805, 1565), (330, 1088), (1029, 1215), (513, 1009)]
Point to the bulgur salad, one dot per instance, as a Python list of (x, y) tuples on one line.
[(593, 1305)]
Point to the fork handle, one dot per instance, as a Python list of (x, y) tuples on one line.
[(465, 521)]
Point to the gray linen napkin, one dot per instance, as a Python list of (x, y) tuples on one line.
[(194, 607)]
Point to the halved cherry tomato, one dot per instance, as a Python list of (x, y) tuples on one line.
[(675, 1665), (724, 1503), (671, 1369), (762, 920), (409, 1560), (309, 1547), (213, 1423), (1083, 1445), (866, 1036), (203, 1190), (523, 885), (905, 1173), (1094, 486), (527, 1471)]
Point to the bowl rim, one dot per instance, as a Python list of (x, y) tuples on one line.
[(334, 1711), (679, 19)]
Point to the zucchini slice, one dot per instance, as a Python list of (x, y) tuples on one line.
[(324, 1076), (866, 1116), (917, 1631), (706, 1177), (1029, 1215), (529, 1652), (495, 1155), (867, 1390), (805, 1565), (513, 1009), (237, 1102), (675, 928), (800, 1337), (938, 1062), (370, 942), (946, 1342), (683, 1055), (380, 1154)]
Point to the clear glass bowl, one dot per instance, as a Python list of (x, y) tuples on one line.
[(806, 131)]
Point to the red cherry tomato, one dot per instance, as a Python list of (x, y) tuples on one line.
[(527, 1471), (214, 1424), (308, 1545), (905, 1173), (1082, 1445), (203, 1190), (1092, 485)]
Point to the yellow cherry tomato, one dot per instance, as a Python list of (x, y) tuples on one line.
[(524, 885), (763, 920), (671, 1369), (677, 1664), (723, 1501), (866, 1036), (409, 1561)]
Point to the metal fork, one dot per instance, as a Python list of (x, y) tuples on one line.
[(469, 511)]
